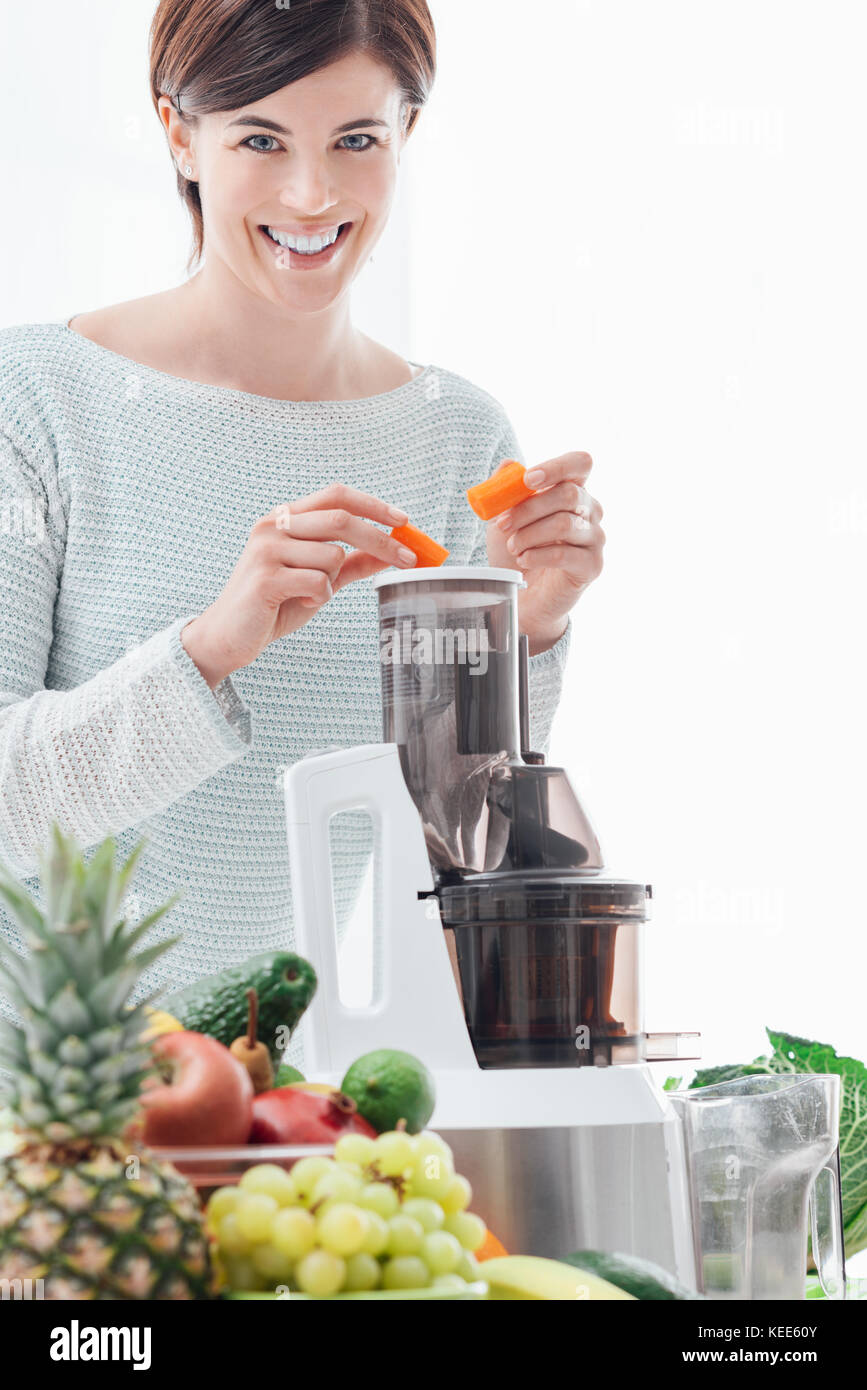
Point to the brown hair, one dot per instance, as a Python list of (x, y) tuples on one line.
[(218, 55)]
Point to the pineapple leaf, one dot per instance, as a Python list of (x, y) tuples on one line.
[(63, 875), (11, 1060), (67, 959), (151, 998), (54, 873), (142, 959), (109, 996), (14, 990), (13, 1044), (23, 909), (78, 874), (68, 1011), (120, 945), (14, 966), (40, 1029), (125, 874), (98, 888), (64, 905)]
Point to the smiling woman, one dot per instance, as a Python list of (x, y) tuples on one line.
[(282, 46), (190, 610)]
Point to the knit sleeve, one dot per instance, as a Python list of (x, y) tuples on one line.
[(127, 743), (546, 669)]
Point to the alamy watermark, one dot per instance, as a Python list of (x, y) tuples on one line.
[(22, 518), (406, 644), (760, 127), (24, 1289)]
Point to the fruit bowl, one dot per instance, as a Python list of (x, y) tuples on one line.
[(220, 1167)]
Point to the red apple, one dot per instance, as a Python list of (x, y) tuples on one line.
[(205, 1096)]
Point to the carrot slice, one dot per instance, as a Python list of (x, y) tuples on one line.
[(426, 551), (496, 494), (491, 1248)]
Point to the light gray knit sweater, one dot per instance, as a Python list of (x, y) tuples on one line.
[(126, 498)]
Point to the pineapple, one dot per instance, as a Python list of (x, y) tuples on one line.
[(90, 1213)]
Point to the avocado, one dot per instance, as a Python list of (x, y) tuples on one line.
[(217, 1005), (641, 1278)]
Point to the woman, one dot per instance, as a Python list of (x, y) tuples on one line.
[(172, 633)]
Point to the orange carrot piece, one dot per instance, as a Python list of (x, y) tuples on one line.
[(426, 551), (503, 490), (491, 1248)]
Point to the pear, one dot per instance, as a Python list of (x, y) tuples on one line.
[(252, 1054)]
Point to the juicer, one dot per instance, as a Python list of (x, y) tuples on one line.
[(508, 959)]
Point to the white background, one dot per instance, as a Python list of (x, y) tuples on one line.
[(642, 228)]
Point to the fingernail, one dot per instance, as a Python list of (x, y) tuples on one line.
[(407, 556), (505, 521), (535, 477), (512, 544), (397, 515)]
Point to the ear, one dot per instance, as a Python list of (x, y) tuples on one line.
[(178, 133), (406, 133)]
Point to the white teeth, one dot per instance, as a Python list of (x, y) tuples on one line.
[(305, 246)]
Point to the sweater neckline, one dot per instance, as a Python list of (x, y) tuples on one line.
[(207, 389)]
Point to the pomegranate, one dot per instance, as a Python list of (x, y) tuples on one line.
[(287, 1116)]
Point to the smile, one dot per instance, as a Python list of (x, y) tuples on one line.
[(309, 247)]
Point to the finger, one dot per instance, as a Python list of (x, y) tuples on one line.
[(338, 524), (350, 499), (358, 565), (575, 467), (560, 528), (291, 582), (562, 497), (580, 563), (310, 555)]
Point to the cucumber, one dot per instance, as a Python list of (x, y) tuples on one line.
[(641, 1278), (217, 1005)]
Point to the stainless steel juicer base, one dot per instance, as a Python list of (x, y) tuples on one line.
[(554, 1191)]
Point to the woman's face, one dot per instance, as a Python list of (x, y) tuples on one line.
[(317, 158)]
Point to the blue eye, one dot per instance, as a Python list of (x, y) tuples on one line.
[(353, 149), (359, 149), (254, 148)]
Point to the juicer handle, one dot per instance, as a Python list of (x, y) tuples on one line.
[(415, 1005), (529, 757), (826, 1228)]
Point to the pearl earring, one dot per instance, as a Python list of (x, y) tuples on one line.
[(188, 169)]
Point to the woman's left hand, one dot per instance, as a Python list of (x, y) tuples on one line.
[(555, 539)]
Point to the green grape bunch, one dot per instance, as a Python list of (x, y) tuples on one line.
[(387, 1213)]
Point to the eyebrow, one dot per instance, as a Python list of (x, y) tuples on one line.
[(281, 130)]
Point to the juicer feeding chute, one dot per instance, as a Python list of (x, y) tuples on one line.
[(452, 677)]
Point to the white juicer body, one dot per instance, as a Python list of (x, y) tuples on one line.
[(560, 1159)]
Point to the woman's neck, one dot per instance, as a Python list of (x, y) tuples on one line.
[(251, 343)]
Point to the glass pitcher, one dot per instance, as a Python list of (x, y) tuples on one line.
[(763, 1169)]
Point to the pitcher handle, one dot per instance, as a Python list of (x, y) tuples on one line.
[(826, 1227)]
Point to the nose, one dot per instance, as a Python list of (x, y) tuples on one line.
[(308, 187)]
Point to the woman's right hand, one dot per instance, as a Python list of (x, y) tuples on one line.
[(291, 565)]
